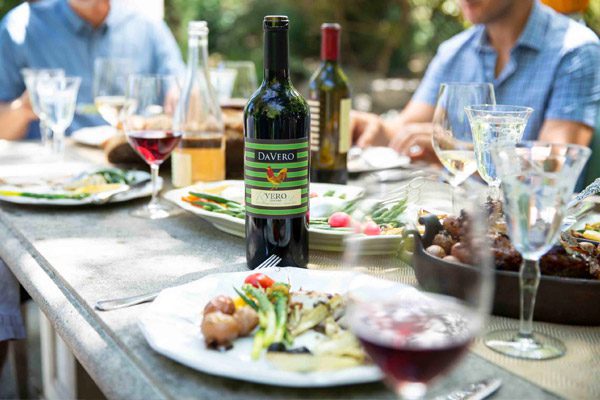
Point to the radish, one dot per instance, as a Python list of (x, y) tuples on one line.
[(371, 229), (339, 220)]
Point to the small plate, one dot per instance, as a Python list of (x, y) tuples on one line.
[(94, 136), (171, 325), (375, 159)]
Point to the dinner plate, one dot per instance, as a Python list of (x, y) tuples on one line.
[(319, 239), (18, 177), (171, 325), (93, 136), (375, 159)]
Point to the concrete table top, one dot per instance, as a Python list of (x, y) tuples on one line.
[(68, 258)]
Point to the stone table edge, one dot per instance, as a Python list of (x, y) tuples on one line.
[(74, 322)]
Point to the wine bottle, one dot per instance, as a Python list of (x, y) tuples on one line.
[(330, 104), (201, 152), (276, 158)]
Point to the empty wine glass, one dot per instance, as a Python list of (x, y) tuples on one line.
[(417, 330), (245, 81), (452, 138), (58, 98), (148, 122), (492, 125), (110, 81), (31, 77), (537, 182)]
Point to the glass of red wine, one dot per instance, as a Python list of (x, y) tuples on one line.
[(417, 323), (148, 122)]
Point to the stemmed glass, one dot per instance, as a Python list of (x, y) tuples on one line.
[(537, 182), (32, 77), (110, 82), (417, 332), (452, 138), (495, 125), (57, 99), (148, 123)]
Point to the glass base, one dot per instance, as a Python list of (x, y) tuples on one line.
[(156, 210), (536, 347)]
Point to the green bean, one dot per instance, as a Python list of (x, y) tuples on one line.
[(212, 197)]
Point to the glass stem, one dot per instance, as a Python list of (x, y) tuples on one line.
[(58, 142), (154, 172), (529, 279), (45, 134)]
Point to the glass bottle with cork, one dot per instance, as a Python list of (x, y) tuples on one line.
[(201, 153)]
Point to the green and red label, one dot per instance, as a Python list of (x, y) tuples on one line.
[(276, 177)]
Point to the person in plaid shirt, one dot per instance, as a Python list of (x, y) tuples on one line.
[(534, 57)]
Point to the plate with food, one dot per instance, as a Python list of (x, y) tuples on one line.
[(375, 158), (331, 209), (282, 326), (569, 288), (71, 184)]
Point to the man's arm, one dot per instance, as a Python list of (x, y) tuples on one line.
[(561, 131), (15, 117)]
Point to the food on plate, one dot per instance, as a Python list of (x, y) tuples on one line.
[(329, 211), (572, 258), (223, 322), (79, 187), (277, 318)]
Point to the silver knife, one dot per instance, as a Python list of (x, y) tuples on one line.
[(475, 391), (105, 197)]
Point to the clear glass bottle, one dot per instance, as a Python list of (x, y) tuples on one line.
[(201, 152)]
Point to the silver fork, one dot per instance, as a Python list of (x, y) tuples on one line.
[(271, 261), (124, 302)]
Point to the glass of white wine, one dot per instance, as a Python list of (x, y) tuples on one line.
[(110, 81), (495, 125), (452, 138)]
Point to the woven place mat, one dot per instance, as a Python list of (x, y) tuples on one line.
[(573, 376)]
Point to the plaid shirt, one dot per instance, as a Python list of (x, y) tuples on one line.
[(554, 68)]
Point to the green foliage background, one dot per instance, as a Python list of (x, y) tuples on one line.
[(380, 37)]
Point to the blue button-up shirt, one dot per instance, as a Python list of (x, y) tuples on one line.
[(554, 68), (49, 34)]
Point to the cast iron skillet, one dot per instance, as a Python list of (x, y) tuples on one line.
[(559, 300)]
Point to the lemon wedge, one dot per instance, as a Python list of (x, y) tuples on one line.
[(592, 235)]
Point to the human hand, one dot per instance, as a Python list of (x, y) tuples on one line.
[(23, 105), (414, 140), (367, 129)]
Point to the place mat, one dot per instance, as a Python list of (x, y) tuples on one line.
[(573, 376)]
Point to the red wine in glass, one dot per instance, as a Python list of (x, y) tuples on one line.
[(154, 146), (414, 343)]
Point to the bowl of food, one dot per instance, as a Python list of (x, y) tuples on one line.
[(569, 289)]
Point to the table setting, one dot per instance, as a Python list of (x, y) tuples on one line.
[(377, 279)]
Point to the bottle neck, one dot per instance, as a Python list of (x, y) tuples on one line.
[(330, 45), (276, 56), (198, 52)]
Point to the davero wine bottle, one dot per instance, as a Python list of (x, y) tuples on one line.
[(276, 158), (330, 110)]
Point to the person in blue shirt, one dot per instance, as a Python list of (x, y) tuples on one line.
[(71, 34), (534, 57)]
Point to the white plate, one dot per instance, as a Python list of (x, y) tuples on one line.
[(319, 239), (375, 159), (93, 136), (171, 325), (23, 173)]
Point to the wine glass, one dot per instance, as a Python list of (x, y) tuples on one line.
[(245, 82), (415, 330), (452, 138), (110, 81), (492, 125), (31, 77), (537, 182), (148, 123), (57, 99)]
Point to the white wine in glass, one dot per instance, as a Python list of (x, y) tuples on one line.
[(110, 80), (452, 137)]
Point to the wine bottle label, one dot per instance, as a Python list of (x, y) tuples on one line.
[(344, 127), (276, 177), (315, 121)]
